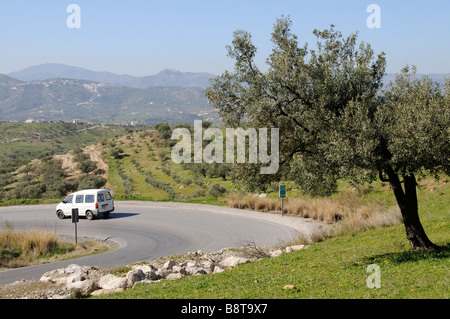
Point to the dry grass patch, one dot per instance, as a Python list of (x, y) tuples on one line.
[(347, 212), (36, 246), (33, 242)]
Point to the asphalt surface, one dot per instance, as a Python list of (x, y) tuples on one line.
[(149, 230)]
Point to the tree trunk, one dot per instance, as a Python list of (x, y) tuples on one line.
[(407, 201)]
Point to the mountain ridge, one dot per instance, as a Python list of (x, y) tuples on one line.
[(166, 77)]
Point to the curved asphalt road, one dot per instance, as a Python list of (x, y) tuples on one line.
[(149, 230)]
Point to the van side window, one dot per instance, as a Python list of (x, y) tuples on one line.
[(79, 199), (100, 197), (108, 196), (68, 199), (90, 198)]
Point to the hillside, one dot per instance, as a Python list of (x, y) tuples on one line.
[(132, 162), (67, 99), (32, 158), (20, 142)]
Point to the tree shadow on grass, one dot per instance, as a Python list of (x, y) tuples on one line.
[(410, 256)]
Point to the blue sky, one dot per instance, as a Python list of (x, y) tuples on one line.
[(143, 37)]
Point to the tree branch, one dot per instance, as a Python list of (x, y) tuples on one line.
[(382, 178)]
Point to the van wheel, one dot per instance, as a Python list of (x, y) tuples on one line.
[(106, 215), (60, 214), (89, 215)]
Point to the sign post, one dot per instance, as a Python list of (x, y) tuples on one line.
[(75, 221), (282, 196)]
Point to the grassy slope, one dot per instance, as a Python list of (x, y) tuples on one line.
[(336, 267), (135, 146)]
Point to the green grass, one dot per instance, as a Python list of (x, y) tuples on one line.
[(334, 268)]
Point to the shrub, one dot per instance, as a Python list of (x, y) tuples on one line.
[(198, 193), (128, 184), (90, 182), (217, 190), (55, 189), (86, 166), (116, 152), (32, 191), (161, 185), (187, 181), (175, 177), (166, 170)]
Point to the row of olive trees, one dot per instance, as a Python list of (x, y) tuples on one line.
[(126, 180), (165, 186)]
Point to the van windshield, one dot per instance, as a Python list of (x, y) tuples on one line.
[(68, 199)]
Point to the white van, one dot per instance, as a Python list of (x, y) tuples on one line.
[(90, 203)]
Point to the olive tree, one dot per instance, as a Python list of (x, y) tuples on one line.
[(334, 119)]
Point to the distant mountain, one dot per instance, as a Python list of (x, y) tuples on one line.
[(68, 99), (49, 71), (170, 77), (166, 77), (440, 78)]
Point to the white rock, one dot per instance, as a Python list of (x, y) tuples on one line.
[(163, 273), (169, 264), (149, 271), (217, 269), (173, 276), (112, 282), (209, 266), (86, 287), (180, 269), (276, 253), (232, 261), (196, 271), (106, 291), (135, 276)]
